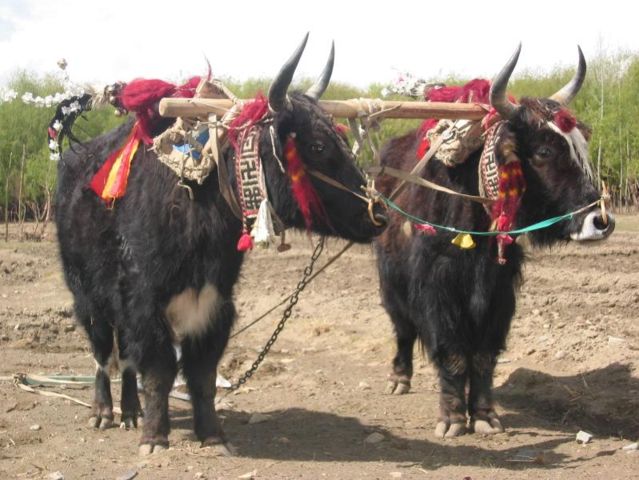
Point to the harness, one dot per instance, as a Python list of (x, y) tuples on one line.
[(501, 182)]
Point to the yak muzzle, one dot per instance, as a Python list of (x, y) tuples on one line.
[(594, 227)]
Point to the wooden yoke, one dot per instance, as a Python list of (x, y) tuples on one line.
[(355, 108)]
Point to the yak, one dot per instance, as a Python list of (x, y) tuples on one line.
[(458, 302), (158, 267)]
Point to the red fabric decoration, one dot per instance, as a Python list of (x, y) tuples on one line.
[(564, 120), (141, 95), (251, 113), (512, 185), (342, 129), (476, 90), (425, 229), (110, 181), (505, 239), (424, 144), (303, 191), (245, 242)]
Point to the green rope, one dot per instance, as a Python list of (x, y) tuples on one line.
[(535, 226)]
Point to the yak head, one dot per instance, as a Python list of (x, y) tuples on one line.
[(306, 149), (552, 149)]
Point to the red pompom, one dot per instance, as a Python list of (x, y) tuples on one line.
[(564, 120), (425, 229), (245, 243)]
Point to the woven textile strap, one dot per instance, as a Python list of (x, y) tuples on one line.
[(488, 168), (248, 168)]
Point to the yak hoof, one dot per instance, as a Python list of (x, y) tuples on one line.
[(149, 448), (487, 427), (398, 387), (131, 420), (450, 430), (128, 423), (101, 423), (218, 448)]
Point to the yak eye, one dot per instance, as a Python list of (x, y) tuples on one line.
[(544, 152), (317, 147)]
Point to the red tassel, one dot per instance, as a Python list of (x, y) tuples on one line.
[(245, 243), (303, 191), (505, 239)]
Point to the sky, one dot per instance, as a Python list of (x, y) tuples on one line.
[(116, 40)]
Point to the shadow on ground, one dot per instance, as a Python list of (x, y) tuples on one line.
[(603, 401)]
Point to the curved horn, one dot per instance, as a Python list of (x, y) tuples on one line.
[(570, 90), (277, 99), (498, 98), (319, 87)]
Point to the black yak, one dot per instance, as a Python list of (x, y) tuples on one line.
[(460, 302)]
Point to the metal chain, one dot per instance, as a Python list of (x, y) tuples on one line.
[(308, 272)]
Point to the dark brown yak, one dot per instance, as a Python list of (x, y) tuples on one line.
[(459, 303), (160, 266)]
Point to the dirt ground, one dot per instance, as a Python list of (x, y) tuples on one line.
[(571, 364)]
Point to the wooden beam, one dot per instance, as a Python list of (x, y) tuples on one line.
[(196, 107)]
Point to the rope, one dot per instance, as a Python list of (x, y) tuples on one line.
[(530, 228), (422, 182)]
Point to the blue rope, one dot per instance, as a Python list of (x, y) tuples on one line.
[(535, 226)]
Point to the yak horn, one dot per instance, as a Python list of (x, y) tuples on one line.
[(570, 90), (277, 98), (498, 98), (319, 87)]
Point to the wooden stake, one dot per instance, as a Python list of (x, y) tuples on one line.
[(200, 107)]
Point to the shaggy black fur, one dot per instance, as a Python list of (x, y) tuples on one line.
[(460, 303), (125, 264)]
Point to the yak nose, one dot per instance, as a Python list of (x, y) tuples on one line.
[(378, 215), (381, 219), (594, 227)]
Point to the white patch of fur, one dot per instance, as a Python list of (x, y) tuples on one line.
[(578, 148), (191, 312), (109, 367), (126, 363)]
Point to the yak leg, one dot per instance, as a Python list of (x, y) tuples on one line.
[(100, 333), (452, 370), (158, 366), (483, 418), (405, 336), (130, 401), (200, 356)]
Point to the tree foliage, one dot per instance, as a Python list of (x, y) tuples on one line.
[(608, 102)]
